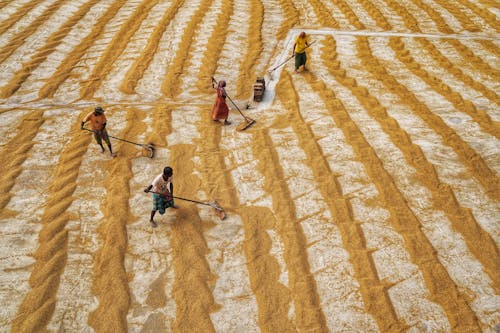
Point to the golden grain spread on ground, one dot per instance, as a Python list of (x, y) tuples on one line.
[(366, 197)]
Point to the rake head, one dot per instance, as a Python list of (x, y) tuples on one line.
[(243, 126), (219, 211)]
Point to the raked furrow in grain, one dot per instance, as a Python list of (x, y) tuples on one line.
[(231, 54), (215, 44), (4, 3), (64, 70), (477, 240), (149, 255), (478, 167), (38, 305), (74, 296), (308, 314), (480, 243), (22, 23), (44, 71), (20, 240), (139, 66), (110, 87), (482, 63), (466, 53), (222, 150), (110, 279), (25, 35), (192, 76), (482, 16), (404, 221), (81, 74), (176, 70), (52, 42), (253, 48), (272, 21), (17, 15), (231, 258), (375, 14), (373, 291), (392, 19), (291, 18), (115, 48), (357, 10), (150, 84), (349, 14), (471, 87), (436, 83), (16, 151), (194, 280), (459, 15), (323, 15)]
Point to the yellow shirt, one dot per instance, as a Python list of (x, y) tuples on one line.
[(300, 44)]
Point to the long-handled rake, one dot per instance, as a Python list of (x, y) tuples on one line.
[(270, 72), (219, 211), (248, 121), (150, 148)]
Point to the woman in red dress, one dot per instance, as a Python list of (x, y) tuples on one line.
[(220, 110)]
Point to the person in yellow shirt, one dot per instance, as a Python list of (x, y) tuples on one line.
[(97, 121), (299, 50)]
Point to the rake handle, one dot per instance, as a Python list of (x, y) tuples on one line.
[(284, 62), (114, 137), (198, 202)]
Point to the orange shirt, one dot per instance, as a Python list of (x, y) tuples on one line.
[(96, 121)]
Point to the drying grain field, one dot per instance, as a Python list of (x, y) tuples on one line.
[(364, 199)]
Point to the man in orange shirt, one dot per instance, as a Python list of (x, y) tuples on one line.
[(98, 124)]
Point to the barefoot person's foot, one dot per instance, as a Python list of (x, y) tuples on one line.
[(113, 154), (227, 122), (153, 223)]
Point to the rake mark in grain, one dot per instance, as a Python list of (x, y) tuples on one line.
[(172, 83), (373, 291), (464, 20), (14, 154), (442, 288), (302, 285), (110, 280), (214, 47), (65, 68), (5, 25), (254, 48), (20, 37), (465, 106), (481, 117), (469, 157), (41, 55), (273, 298), (136, 71), (478, 240), (466, 53), (484, 14), (116, 47), (37, 307), (291, 18), (192, 289)]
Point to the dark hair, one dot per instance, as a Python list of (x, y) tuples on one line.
[(167, 171), (99, 110)]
